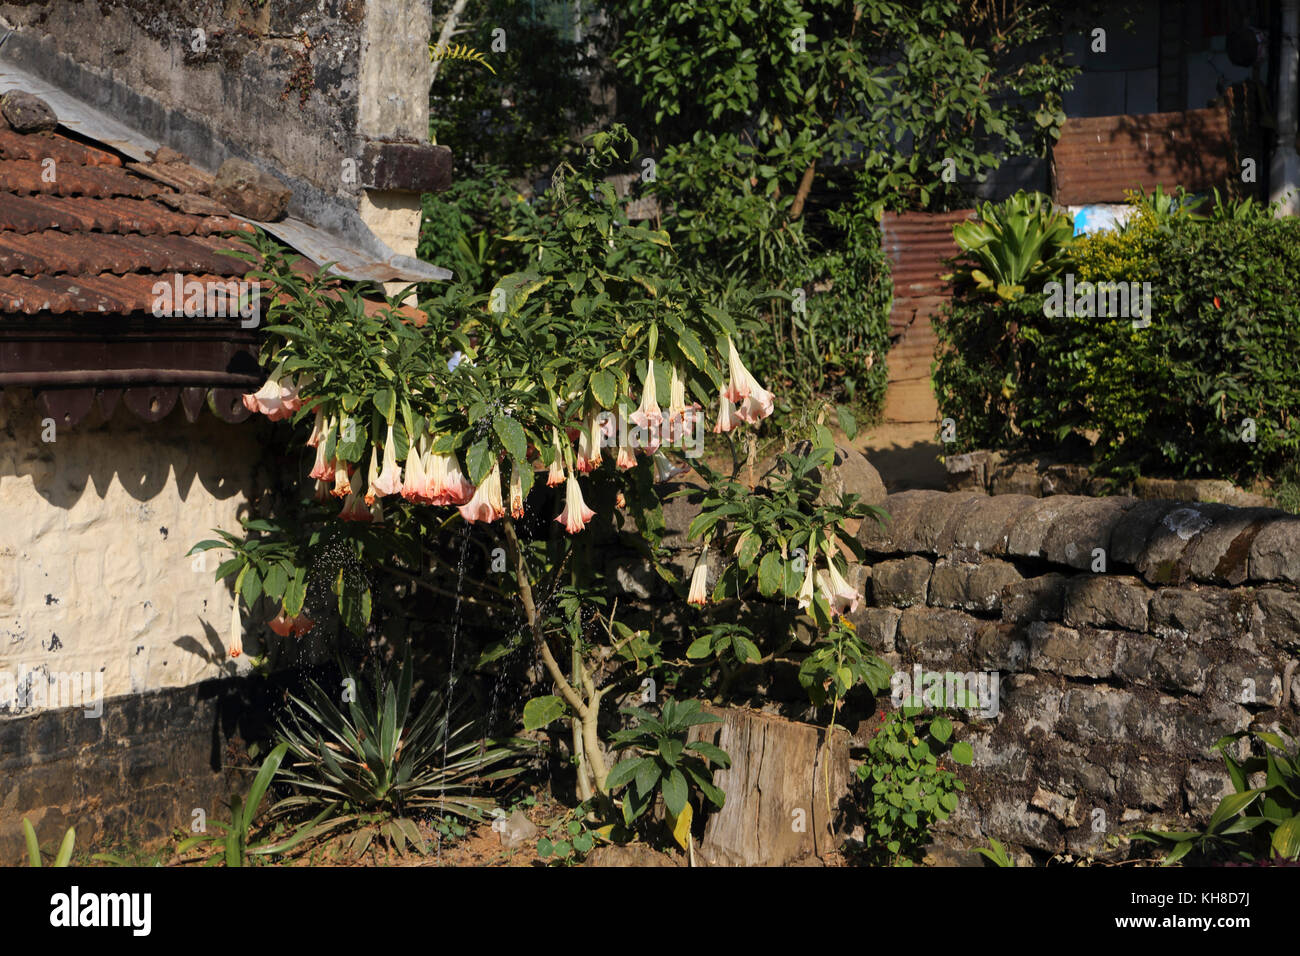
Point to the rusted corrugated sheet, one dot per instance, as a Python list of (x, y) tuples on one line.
[(917, 243), (1097, 158)]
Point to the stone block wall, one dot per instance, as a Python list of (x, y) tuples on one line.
[(1127, 637)]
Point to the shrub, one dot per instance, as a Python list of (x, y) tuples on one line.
[(1207, 388)]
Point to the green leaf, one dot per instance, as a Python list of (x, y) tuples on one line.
[(479, 461), (962, 753), (540, 711), (386, 404), (771, 574), (848, 424), (623, 772), (700, 647), (604, 386), (33, 847), (941, 729), (1230, 806), (675, 792), (512, 437), (1286, 839)]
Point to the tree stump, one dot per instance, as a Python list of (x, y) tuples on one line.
[(776, 807)]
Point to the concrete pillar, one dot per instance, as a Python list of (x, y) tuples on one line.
[(1284, 172)]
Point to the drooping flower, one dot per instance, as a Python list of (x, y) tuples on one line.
[(287, 626), (516, 491), (589, 445), (727, 418), (389, 481), (625, 458), (806, 591), (665, 470), (619, 500), (274, 399), (318, 429), (447, 484), (323, 469), (648, 418), (354, 508), (575, 514), (699, 593), (322, 493), (676, 395), (372, 475), (415, 480), (377, 512), (742, 389), (486, 503), (846, 597), (555, 474), (236, 631), (342, 481)]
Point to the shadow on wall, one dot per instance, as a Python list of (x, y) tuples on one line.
[(146, 458)]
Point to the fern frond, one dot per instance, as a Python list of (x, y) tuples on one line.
[(459, 51)]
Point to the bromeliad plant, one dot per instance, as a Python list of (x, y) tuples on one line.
[(1014, 245), (371, 761), (1253, 822)]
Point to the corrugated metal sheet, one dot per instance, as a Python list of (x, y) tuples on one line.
[(1097, 158), (368, 261), (917, 243)]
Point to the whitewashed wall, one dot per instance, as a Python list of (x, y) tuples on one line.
[(94, 528)]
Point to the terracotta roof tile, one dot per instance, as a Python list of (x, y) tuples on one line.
[(88, 234)]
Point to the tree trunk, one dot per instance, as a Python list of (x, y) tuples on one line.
[(776, 807)]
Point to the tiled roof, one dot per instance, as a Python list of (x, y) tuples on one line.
[(81, 233)]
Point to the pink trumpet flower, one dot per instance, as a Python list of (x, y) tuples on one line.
[(699, 593), (297, 626), (372, 475), (274, 400), (389, 480), (342, 481), (236, 631), (626, 457), (576, 514), (676, 396), (806, 591), (322, 492), (665, 470), (377, 512), (318, 430), (727, 417), (648, 417), (555, 474), (846, 597), (354, 508), (516, 492), (742, 389), (323, 469), (486, 505), (447, 483), (589, 445), (416, 480)]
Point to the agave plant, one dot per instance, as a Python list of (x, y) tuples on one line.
[(1013, 244), (371, 762)]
